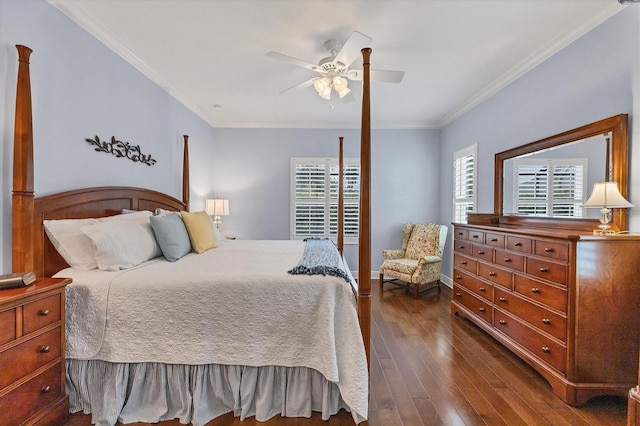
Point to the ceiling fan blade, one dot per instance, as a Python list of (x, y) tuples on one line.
[(302, 85), (298, 62), (385, 76), (351, 48)]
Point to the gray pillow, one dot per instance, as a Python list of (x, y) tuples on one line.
[(171, 235)]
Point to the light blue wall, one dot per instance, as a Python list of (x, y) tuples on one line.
[(251, 168), (82, 89), (598, 76)]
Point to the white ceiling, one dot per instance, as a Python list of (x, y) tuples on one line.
[(455, 53)]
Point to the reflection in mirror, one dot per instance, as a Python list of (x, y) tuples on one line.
[(555, 181), (544, 183)]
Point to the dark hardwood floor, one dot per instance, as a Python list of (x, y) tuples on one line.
[(431, 368)]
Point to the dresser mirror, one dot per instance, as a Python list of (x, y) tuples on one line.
[(571, 162)]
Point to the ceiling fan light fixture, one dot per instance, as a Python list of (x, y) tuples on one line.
[(321, 84), (344, 92), (326, 93)]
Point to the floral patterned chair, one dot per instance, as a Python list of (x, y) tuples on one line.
[(418, 263)]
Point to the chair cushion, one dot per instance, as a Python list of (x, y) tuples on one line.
[(403, 266), (423, 241)]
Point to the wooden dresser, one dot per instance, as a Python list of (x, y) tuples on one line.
[(32, 346), (566, 302)]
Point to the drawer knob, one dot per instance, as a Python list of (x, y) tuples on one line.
[(460, 233), (548, 250), (458, 277), (503, 299), (535, 290), (458, 295), (481, 252), (546, 349), (464, 262), (475, 236), (517, 244), (44, 312), (543, 269), (494, 240), (507, 259), (461, 247), (481, 309), (45, 349), (546, 321), (492, 274), (502, 322), (46, 389), (482, 289)]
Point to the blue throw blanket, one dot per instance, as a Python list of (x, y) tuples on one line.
[(320, 257)]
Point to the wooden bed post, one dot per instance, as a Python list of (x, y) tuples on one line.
[(364, 246), (22, 195), (185, 172), (341, 197)]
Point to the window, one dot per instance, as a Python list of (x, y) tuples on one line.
[(464, 183), (553, 187), (314, 198)]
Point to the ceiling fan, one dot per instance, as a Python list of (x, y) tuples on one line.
[(334, 70)]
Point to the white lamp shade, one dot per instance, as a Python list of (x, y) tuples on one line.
[(217, 207), (606, 194)]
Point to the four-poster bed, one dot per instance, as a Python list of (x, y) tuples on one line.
[(33, 250)]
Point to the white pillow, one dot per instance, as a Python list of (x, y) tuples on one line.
[(73, 245), (122, 244)]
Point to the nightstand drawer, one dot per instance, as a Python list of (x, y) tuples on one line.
[(7, 326), (24, 401), (29, 356), (41, 312)]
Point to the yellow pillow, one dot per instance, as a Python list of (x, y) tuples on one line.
[(200, 229)]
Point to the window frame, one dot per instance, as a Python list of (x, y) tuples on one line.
[(458, 156), (329, 220)]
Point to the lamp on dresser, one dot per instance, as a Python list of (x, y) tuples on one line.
[(605, 196), (217, 207)]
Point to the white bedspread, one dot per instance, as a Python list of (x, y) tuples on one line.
[(233, 305)]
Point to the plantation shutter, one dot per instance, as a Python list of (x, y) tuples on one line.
[(464, 165)]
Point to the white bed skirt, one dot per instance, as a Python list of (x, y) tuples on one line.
[(152, 392)]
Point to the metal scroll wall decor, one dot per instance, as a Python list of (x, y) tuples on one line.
[(121, 149)]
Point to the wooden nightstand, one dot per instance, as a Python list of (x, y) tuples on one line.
[(32, 349)]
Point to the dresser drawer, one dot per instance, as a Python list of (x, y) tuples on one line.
[(539, 345), (475, 305), (466, 263), (473, 284), (29, 356), (482, 252), (496, 274), (41, 312), (539, 317), (41, 391), (520, 244), (496, 240), (509, 260), (544, 293), (552, 249), (475, 236), (460, 234), (7, 326), (548, 270), (462, 246)]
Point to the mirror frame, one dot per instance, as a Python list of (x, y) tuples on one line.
[(619, 163)]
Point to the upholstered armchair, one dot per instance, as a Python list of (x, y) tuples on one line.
[(418, 263)]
